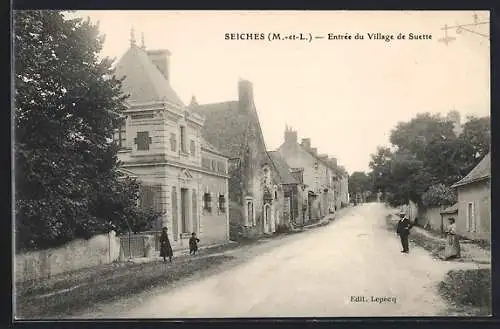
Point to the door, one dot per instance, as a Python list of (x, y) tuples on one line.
[(175, 218), (267, 217)]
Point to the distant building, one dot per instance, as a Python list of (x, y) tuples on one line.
[(454, 116), (474, 202), (324, 183), (161, 144)]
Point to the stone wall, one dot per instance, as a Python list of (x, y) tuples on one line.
[(431, 218), (78, 254)]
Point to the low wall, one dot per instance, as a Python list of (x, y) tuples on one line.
[(78, 254), (431, 218)]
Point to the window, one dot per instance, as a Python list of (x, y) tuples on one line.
[(183, 139), (221, 167), (193, 148), (205, 163), (222, 203), (207, 202), (142, 140), (213, 165), (149, 197), (173, 142), (120, 137), (184, 211), (471, 219)]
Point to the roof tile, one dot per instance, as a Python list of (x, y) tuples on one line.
[(481, 171)]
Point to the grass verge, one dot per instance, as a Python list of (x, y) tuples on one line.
[(105, 284), (468, 291)]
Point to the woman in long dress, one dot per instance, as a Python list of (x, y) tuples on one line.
[(165, 247), (452, 248)]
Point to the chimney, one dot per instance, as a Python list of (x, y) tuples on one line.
[(333, 161), (245, 94), (290, 136), (161, 58), (306, 143), (193, 102)]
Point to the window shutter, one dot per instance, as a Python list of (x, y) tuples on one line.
[(467, 218), (474, 224)]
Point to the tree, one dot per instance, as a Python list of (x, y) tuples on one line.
[(380, 169), (429, 156), (475, 141), (359, 182), (67, 105)]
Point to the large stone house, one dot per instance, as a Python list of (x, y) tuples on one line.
[(256, 189), (161, 144), (474, 202), (326, 188)]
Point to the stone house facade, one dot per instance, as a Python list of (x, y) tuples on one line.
[(292, 187), (255, 186), (324, 185), (473, 220), (161, 144)]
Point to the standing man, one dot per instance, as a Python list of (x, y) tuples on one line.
[(403, 229)]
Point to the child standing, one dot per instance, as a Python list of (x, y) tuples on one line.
[(193, 244)]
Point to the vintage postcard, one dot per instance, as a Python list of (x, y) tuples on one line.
[(240, 164)]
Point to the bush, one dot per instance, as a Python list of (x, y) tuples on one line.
[(468, 288), (280, 229), (439, 195)]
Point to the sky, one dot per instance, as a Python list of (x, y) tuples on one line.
[(346, 95)]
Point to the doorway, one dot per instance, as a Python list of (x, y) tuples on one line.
[(184, 211)]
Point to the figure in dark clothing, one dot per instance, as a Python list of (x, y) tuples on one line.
[(403, 229), (165, 247), (193, 244)]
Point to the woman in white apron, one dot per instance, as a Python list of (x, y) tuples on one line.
[(452, 248)]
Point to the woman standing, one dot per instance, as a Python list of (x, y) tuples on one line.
[(165, 247), (452, 248)]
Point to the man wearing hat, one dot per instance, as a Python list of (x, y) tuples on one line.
[(403, 229)]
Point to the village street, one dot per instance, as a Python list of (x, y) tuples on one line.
[(316, 273)]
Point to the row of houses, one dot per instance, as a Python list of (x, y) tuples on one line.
[(206, 167)]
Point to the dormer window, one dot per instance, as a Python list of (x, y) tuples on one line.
[(267, 176)]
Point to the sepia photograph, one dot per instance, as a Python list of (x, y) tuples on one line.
[(251, 164)]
